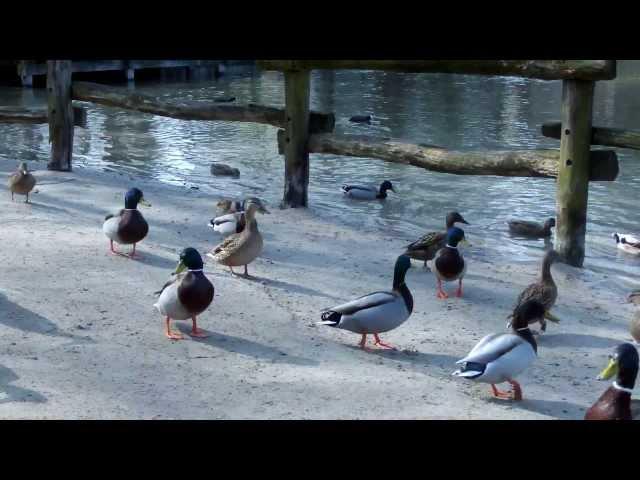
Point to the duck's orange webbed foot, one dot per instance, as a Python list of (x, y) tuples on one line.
[(381, 343)]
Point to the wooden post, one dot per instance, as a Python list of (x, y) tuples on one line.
[(573, 170), (60, 114), (296, 155)]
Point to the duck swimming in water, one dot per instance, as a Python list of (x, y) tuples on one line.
[(627, 243), (529, 229), (128, 226), (365, 192)]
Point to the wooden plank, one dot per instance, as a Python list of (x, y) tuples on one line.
[(505, 163), (296, 156), (573, 174), (542, 69), (611, 137), (60, 114), (37, 115), (193, 110)]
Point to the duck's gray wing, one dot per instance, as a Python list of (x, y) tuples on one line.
[(362, 303), (173, 280), (492, 347), (365, 188)]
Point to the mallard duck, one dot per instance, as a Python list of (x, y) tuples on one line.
[(21, 181), (526, 228), (233, 206), (615, 402), (187, 295), (360, 119), (544, 290), (500, 357), (634, 297), (449, 265), (128, 226), (234, 222), (361, 192), (377, 312), (240, 248), (627, 243), (426, 247), (634, 327)]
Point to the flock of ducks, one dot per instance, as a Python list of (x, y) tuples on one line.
[(497, 358)]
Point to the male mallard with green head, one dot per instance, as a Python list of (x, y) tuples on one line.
[(240, 248), (544, 290), (187, 295), (21, 181), (377, 312), (426, 247), (128, 226), (500, 357), (615, 402), (449, 265)]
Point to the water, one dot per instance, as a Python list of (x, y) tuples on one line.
[(453, 111)]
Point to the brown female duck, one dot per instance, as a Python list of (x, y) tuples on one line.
[(21, 182), (529, 229)]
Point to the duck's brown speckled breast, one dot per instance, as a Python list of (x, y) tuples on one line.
[(612, 405)]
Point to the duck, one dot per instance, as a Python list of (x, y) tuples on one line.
[(187, 295), (634, 327), (500, 357), (360, 119), (426, 247), (234, 222), (627, 243), (232, 206), (377, 312), (240, 248), (128, 226), (362, 192), (544, 290), (529, 229), (615, 403), (449, 265), (21, 181)]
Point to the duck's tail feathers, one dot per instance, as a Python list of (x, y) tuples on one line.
[(469, 369), (466, 374), (330, 318)]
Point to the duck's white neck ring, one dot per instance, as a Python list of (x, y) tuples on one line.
[(130, 209), (195, 269), (522, 329), (623, 389), (449, 246)]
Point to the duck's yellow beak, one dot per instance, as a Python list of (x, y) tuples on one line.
[(144, 202), (610, 371), (180, 268), (465, 243)]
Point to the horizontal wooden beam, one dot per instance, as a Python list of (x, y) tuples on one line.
[(505, 163), (38, 115), (611, 137), (542, 69), (192, 110)]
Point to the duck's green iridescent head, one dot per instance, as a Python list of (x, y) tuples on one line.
[(624, 364), (455, 236), (133, 197), (189, 259)]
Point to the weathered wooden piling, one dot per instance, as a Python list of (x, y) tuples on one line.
[(296, 155), (573, 170), (60, 114)]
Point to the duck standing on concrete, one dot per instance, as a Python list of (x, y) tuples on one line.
[(449, 265), (21, 182), (128, 226), (426, 247)]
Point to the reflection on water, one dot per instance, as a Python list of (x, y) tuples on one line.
[(453, 111)]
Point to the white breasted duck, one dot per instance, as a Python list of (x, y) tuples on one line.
[(235, 222), (615, 403), (426, 247), (366, 192), (377, 312), (187, 295), (627, 243), (449, 265), (128, 226), (500, 357)]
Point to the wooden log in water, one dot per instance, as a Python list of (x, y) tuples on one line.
[(60, 114), (505, 163), (574, 170), (193, 110), (542, 69), (38, 115), (611, 137)]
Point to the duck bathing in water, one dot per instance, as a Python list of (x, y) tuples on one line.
[(128, 226)]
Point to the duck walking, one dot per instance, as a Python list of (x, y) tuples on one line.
[(500, 357), (21, 181), (187, 295), (525, 228), (627, 243), (235, 222), (426, 247), (544, 290), (449, 265), (128, 226), (240, 248), (377, 312), (615, 402), (366, 192)]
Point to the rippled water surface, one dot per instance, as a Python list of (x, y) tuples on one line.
[(453, 111)]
